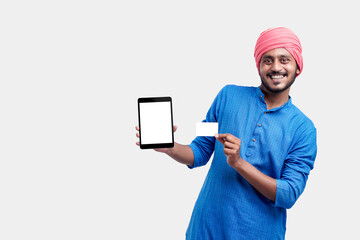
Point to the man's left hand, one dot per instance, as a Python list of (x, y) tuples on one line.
[(232, 147)]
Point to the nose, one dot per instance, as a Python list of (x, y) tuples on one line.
[(276, 66)]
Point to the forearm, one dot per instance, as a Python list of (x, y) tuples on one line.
[(181, 153), (264, 184)]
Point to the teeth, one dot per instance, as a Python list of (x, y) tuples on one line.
[(277, 76)]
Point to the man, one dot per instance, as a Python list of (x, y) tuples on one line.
[(264, 154)]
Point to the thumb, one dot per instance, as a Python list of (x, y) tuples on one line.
[(220, 138)]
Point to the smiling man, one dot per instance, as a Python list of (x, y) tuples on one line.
[(264, 154)]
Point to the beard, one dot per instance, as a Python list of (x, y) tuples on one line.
[(277, 90)]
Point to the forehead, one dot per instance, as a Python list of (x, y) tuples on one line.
[(276, 53)]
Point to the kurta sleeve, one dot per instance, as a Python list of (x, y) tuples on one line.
[(203, 147), (297, 166)]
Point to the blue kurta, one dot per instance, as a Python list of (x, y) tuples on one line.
[(280, 142)]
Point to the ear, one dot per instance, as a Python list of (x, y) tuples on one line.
[(297, 71)]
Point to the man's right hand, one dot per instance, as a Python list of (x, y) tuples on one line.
[(181, 153), (163, 150)]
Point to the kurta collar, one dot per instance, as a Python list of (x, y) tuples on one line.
[(260, 95)]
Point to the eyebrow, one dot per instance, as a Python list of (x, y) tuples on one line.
[(279, 56)]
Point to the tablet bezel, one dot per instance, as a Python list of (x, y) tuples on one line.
[(156, 145)]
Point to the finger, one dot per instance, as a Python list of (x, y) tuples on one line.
[(138, 143), (230, 138), (137, 128), (230, 145), (222, 135), (220, 139), (138, 135), (229, 152)]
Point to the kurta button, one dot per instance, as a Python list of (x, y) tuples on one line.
[(254, 140), (264, 112), (261, 96), (259, 125)]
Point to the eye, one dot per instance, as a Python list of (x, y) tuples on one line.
[(285, 60), (267, 61)]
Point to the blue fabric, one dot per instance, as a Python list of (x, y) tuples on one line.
[(228, 207)]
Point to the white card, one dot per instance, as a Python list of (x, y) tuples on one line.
[(207, 129)]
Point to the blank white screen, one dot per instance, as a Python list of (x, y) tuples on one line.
[(155, 122)]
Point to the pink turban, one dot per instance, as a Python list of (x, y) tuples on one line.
[(278, 38)]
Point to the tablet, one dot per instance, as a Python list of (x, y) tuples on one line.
[(155, 122)]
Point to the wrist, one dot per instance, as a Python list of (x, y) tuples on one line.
[(170, 151), (239, 164)]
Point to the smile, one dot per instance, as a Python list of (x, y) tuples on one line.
[(276, 76)]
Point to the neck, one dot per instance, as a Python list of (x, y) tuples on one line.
[(274, 100)]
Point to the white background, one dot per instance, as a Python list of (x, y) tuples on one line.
[(70, 76)]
